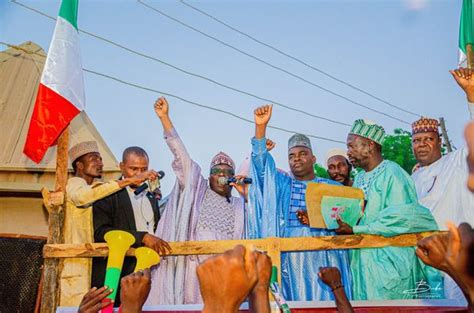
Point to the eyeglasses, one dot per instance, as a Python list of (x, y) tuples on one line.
[(217, 171)]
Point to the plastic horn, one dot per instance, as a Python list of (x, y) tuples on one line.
[(118, 242), (146, 258)]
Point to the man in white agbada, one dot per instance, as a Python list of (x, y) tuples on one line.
[(441, 180), (197, 209)]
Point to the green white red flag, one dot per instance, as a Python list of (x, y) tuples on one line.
[(61, 91), (466, 31)]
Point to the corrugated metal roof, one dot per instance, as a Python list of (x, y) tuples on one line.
[(20, 73)]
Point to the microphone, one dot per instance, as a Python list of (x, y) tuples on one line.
[(227, 181), (149, 184)]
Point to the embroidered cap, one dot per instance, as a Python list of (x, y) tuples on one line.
[(299, 140), (222, 158), (369, 130), (425, 125), (82, 148)]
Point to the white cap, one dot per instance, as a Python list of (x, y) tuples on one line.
[(334, 152)]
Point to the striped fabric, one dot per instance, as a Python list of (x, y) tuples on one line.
[(297, 202), (369, 130)]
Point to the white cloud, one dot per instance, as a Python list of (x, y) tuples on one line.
[(416, 5)]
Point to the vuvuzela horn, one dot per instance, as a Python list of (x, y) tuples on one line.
[(146, 258), (118, 242)]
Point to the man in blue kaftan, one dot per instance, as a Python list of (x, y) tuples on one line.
[(275, 200)]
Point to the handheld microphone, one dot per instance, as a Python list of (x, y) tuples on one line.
[(227, 181), (150, 185)]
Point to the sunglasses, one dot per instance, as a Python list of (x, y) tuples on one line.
[(217, 171)]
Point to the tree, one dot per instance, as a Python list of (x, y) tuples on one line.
[(320, 171), (397, 148)]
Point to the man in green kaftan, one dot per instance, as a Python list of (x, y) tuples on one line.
[(391, 208)]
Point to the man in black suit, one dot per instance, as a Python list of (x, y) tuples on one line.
[(123, 210)]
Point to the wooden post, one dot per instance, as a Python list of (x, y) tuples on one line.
[(275, 254), (445, 134), (470, 56), (52, 267)]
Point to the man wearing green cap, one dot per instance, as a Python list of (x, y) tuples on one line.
[(391, 209)]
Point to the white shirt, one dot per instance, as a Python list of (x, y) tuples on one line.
[(441, 187), (142, 211)]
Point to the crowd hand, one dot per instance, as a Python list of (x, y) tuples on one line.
[(134, 290), (460, 245), (161, 107), (157, 244), (263, 114), (225, 280), (344, 228), (330, 276), (302, 216), (464, 78), (459, 258), (469, 136), (92, 300), (264, 273), (259, 296), (270, 145), (432, 251)]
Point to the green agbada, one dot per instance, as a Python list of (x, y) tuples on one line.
[(392, 209)]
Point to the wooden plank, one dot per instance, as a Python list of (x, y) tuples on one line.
[(350, 242), (179, 248), (268, 245), (52, 267), (22, 236)]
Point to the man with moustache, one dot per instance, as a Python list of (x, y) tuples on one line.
[(391, 209), (339, 167)]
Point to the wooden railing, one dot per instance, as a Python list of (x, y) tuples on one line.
[(272, 246)]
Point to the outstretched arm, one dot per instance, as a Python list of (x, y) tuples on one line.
[(469, 136), (161, 110), (82, 194), (262, 116), (260, 153), (465, 79), (182, 161)]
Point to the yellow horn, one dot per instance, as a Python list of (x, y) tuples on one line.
[(118, 242), (146, 258)]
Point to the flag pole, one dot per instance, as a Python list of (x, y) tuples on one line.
[(470, 56), (55, 203)]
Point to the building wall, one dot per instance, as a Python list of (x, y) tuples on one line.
[(21, 205), (23, 216)]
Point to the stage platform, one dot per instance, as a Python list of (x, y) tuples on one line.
[(392, 306)]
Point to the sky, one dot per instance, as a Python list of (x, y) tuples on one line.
[(399, 51)]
